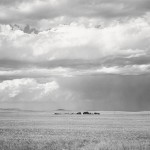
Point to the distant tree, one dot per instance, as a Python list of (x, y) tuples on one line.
[(86, 113), (96, 113), (57, 113), (78, 113)]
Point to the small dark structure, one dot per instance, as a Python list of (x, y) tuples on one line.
[(57, 113), (86, 113), (78, 113), (96, 113)]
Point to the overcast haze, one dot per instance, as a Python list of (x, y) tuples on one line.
[(75, 54)]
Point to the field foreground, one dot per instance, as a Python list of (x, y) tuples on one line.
[(25, 130)]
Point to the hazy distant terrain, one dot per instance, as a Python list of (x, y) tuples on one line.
[(23, 130)]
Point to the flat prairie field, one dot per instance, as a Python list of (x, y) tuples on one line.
[(25, 130)]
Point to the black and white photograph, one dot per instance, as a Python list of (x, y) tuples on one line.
[(74, 74)]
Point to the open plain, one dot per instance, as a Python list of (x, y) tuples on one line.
[(23, 130)]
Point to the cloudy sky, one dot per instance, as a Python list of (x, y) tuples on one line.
[(75, 54)]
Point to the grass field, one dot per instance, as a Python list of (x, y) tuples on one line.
[(44, 131)]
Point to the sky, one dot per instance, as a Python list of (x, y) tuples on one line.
[(75, 54)]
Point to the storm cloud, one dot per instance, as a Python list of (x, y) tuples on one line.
[(32, 12), (81, 54)]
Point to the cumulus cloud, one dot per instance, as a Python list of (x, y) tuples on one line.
[(26, 89), (121, 44), (75, 41), (29, 93)]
